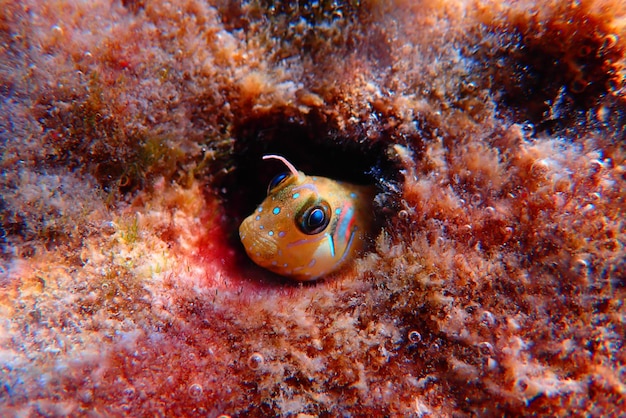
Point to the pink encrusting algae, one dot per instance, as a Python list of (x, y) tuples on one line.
[(132, 134)]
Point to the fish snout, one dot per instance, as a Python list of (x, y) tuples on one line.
[(260, 246)]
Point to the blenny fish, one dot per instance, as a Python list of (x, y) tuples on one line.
[(307, 226)]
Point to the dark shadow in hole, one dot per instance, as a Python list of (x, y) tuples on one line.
[(309, 147)]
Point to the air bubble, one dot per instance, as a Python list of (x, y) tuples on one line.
[(476, 199), (596, 165), (610, 41), (195, 391), (486, 348), (528, 129), (255, 361), (581, 267), (414, 337), (487, 319), (581, 263)]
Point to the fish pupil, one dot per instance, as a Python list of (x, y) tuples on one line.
[(314, 217)]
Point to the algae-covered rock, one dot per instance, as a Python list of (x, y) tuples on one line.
[(132, 134)]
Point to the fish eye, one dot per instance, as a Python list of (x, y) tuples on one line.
[(314, 218), (276, 181)]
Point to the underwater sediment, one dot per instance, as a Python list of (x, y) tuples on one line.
[(132, 134)]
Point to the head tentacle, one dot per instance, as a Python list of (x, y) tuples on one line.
[(290, 166)]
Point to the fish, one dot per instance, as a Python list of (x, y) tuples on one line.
[(308, 226)]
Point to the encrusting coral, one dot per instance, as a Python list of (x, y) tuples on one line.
[(132, 134)]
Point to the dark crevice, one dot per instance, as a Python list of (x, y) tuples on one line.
[(551, 71), (310, 146)]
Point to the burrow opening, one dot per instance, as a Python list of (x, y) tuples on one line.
[(311, 146)]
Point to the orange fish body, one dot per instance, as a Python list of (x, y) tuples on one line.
[(307, 226)]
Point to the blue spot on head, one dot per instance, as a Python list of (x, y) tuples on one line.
[(260, 209), (353, 195), (258, 218), (338, 211), (281, 234), (296, 195), (276, 210), (261, 227), (270, 233)]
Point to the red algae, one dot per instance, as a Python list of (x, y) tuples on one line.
[(132, 134)]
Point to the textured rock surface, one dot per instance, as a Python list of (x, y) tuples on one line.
[(132, 133)]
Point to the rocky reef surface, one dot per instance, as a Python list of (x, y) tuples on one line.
[(132, 133)]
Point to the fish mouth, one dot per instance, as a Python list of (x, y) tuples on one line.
[(260, 247)]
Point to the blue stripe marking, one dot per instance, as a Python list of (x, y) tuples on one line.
[(331, 244), (342, 230), (347, 250)]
